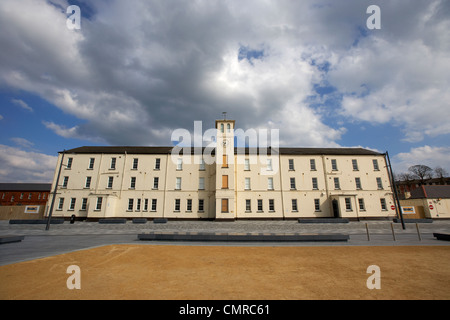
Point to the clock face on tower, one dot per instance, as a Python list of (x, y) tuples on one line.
[(224, 143)]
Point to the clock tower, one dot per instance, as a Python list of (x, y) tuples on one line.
[(225, 177)]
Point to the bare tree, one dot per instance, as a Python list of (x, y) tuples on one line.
[(421, 172), (440, 172)]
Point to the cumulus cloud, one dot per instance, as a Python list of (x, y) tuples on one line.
[(139, 69), (25, 166), (427, 155), (22, 104)]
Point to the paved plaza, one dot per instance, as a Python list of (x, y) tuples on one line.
[(66, 237)]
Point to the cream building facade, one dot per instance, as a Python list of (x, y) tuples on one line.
[(281, 183)]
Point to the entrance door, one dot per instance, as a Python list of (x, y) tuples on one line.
[(335, 208)]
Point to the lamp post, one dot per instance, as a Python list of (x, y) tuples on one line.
[(54, 193), (396, 200)]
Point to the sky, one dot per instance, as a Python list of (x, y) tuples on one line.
[(136, 71)]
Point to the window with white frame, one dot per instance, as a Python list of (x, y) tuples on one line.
[(110, 182), (312, 164), (358, 183), (248, 205), (355, 164), (88, 182), (133, 183), (247, 184), (260, 205), (178, 183), (138, 204), (113, 164), (155, 182), (157, 163), (271, 205), (179, 164), (348, 204), (316, 204), (201, 203), (65, 182), (189, 205), (154, 203), (98, 207), (375, 165), (362, 207), (314, 183), (269, 165), (201, 183), (72, 203), (61, 203), (177, 205), (379, 183), (291, 164), (292, 181), (294, 205), (246, 164), (91, 163), (334, 165), (135, 163), (130, 204), (337, 185), (270, 183), (83, 204)]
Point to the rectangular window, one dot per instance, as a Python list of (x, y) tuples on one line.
[(201, 183), (358, 183), (178, 184), (334, 165), (200, 205), (314, 184), (375, 165), (65, 182), (248, 205), (61, 203), (337, 185), (155, 182), (224, 161), (383, 204), (12, 198), (294, 205), (179, 164), (157, 163), (202, 165), (145, 204), (355, 164), (99, 203), (312, 164), (224, 205), (69, 163), (133, 183), (270, 183), (72, 203), (177, 205), (138, 205), (84, 204), (39, 197), (362, 207), (348, 204), (247, 164), (110, 182), (21, 196), (260, 205), (316, 204), (292, 183), (130, 204), (269, 165), (189, 205), (291, 164), (88, 182), (135, 163), (271, 205), (154, 202), (224, 182), (113, 163), (91, 163), (247, 183), (379, 183), (29, 196)]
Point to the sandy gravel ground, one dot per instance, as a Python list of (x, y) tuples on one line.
[(223, 272)]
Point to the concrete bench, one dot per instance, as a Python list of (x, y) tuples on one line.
[(160, 220), (35, 221), (442, 236), (112, 220), (9, 239)]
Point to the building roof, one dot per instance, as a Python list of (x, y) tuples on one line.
[(167, 150), (25, 186), (431, 192)]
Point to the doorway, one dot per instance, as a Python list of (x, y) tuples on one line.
[(335, 208)]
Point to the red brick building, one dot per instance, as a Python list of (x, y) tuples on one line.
[(12, 194)]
